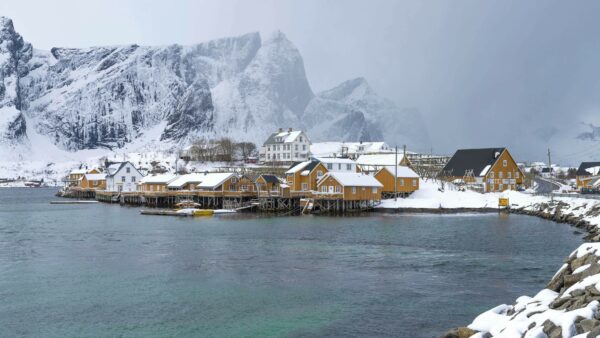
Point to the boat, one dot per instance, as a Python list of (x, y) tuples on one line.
[(187, 204)]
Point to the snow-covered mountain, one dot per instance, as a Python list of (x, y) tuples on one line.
[(124, 96)]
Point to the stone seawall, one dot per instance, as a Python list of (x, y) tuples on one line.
[(568, 306)]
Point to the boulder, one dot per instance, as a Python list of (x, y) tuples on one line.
[(459, 332), (551, 330), (587, 325)]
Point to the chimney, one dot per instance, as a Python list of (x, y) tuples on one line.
[(280, 130), (289, 130), (496, 154)]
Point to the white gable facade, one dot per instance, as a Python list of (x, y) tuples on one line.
[(286, 147), (123, 177)]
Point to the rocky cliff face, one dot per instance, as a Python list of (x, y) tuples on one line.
[(243, 87), (14, 56)]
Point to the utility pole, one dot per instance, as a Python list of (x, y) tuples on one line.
[(549, 164), (396, 174), (550, 173)]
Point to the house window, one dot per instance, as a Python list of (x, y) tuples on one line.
[(128, 170), (268, 156), (338, 189), (296, 147), (319, 173), (329, 166), (509, 175), (402, 182), (374, 189), (500, 186), (348, 166), (339, 166), (123, 179), (354, 190), (500, 175), (133, 179), (505, 163), (414, 183), (492, 174), (324, 188), (304, 147), (300, 138), (268, 148), (304, 186)]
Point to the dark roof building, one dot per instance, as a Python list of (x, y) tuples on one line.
[(270, 178), (582, 170), (476, 160)]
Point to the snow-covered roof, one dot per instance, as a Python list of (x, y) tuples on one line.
[(202, 180), (335, 160), (352, 148), (285, 136), (78, 171), (485, 170), (305, 172), (593, 170), (182, 180), (403, 171), (379, 159), (353, 179), (213, 180), (95, 177), (159, 179), (297, 167)]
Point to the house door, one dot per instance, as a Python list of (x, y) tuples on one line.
[(331, 189)]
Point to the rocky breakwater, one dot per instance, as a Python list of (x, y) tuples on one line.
[(569, 305)]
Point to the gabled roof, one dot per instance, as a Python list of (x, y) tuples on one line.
[(475, 159), (379, 159), (286, 137), (341, 160), (347, 179), (584, 166), (270, 178), (403, 171), (203, 180), (78, 172), (158, 179), (116, 167), (306, 165), (95, 177)]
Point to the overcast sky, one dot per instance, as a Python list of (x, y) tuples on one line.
[(523, 74)]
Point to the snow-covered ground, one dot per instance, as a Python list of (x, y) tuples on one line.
[(429, 196)]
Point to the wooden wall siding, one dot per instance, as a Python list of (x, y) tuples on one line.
[(153, 187), (295, 180), (500, 183), (229, 184), (403, 184), (584, 181), (350, 193), (96, 184)]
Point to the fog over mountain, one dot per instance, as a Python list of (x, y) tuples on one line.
[(494, 73)]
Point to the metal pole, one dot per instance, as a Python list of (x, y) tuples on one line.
[(396, 174)]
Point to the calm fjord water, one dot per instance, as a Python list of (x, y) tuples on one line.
[(105, 270)]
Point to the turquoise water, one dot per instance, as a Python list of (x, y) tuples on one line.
[(105, 270)]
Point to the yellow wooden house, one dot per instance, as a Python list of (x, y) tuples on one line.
[(271, 185), (303, 176), (587, 173), (492, 169), (349, 186), (407, 181), (155, 183), (93, 181)]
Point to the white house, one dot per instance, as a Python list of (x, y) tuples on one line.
[(374, 162), (122, 176), (338, 164), (348, 149), (286, 147)]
